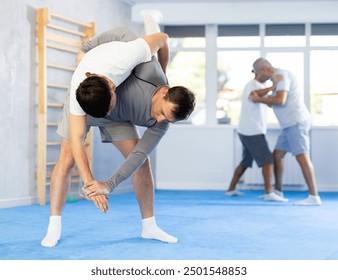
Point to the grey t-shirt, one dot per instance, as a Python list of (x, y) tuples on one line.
[(134, 102)]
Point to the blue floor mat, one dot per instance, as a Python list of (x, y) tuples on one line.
[(209, 225)]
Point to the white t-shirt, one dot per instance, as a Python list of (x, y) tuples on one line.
[(294, 109), (115, 60), (252, 120)]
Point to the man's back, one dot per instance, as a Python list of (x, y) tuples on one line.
[(252, 119), (134, 95), (294, 109)]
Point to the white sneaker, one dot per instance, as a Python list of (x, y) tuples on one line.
[(274, 197), (311, 200), (281, 194), (155, 15), (234, 193)]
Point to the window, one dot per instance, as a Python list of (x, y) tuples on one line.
[(308, 50), (324, 35), (324, 87), (324, 73), (187, 61), (284, 35), (234, 71), (237, 50), (240, 36)]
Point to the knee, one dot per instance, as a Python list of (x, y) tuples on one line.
[(66, 159), (145, 167), (302, 158), (144, 172), (278, 155)]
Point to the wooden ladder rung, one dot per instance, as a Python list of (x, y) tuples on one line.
[(55, 105), (52, 124), (52, 85), (63, 40), (61, 67), (75, 21), (53, 143), (50, 163), (62, 48), (70, 31)]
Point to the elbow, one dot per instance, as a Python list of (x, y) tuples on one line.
[(164, 35), (282, 101)]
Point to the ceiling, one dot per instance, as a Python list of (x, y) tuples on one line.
[(211, 1)]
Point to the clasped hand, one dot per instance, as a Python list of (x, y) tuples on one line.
[(98, 193)]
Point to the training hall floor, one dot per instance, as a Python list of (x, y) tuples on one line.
[(209, 225)]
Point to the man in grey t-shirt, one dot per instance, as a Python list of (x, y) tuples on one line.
[(143, 99)]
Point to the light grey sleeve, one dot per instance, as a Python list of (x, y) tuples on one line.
[(123, 34), (137, 157)]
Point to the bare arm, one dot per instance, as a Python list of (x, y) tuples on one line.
[(77, 134), (145, 145), (264, 91), (158, 43), (278, 99)]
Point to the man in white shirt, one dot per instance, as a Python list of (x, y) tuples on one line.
[(251, 131)]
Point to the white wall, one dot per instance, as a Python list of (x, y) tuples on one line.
[(204, 158), (18, 85), (196, 157)]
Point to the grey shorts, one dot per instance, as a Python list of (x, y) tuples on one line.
[(295, 139), (110, 130), (256, 148)]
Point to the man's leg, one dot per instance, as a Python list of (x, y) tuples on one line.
[(267, 176), (239, 171), (60, 182), (269, 194), (308, 173), (144, 191), (278, 156)]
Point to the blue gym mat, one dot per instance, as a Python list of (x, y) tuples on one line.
[(209, 225)]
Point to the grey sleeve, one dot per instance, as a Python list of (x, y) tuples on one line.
[(137, 157), (123, 34)]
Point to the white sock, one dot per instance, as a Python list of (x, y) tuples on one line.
[(53, 232), (151, 19), (150, 230)]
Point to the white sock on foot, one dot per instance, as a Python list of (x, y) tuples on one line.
[(53, 232), (311, 200), (150, 230)]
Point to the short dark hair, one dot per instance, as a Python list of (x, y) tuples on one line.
[(184, 99), (94, 96)]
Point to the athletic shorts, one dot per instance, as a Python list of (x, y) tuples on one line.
[(110, 130), (256, 148), (295, 139)]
